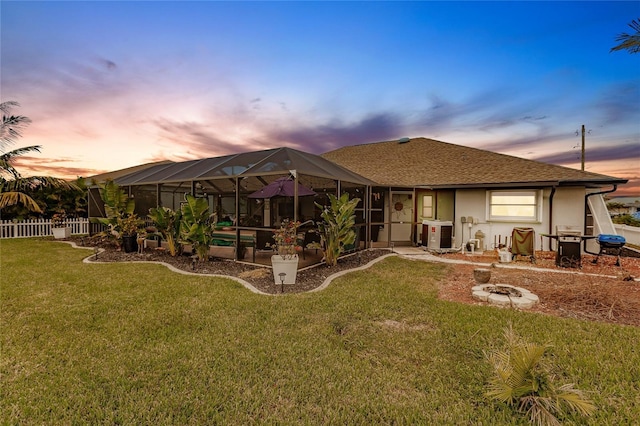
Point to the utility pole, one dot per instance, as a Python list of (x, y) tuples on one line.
[(582, 156)]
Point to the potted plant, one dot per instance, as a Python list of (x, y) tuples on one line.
[(128, 227), (59, 226), (285, 262)]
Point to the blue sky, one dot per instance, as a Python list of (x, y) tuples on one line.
[(115, 84)]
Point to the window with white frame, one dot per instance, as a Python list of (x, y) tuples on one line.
[(516, 206), (427, 206)]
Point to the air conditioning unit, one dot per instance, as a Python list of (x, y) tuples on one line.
[(437, 234)]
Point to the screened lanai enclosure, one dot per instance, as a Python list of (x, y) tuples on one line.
[(232, 186)]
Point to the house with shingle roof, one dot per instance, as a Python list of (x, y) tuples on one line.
[(481, 193), (414, 191)]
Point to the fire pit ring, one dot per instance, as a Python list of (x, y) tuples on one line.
[(505, 295)]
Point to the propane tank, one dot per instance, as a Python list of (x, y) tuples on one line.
[(480, 237)]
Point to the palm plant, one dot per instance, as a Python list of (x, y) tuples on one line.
[(13, 187), (195, 227), (167, 222), (118, 206), (336, 229), (521, 379), (630, 42)]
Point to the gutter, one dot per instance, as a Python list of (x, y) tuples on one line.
[(586, 206)]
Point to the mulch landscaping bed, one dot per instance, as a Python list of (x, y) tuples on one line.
[(258, 276), (598, 292)]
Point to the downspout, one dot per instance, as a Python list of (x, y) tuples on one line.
[(586, 206), (553, 192)]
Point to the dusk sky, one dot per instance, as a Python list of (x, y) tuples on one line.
[(110, 85)]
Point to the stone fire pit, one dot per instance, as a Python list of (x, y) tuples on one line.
[(505, 295)]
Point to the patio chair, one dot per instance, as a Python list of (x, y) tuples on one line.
[(310, 236), (264, 242)]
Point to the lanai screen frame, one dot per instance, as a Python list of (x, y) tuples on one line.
[(238, 175)]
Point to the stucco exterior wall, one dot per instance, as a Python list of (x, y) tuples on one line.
[(568, 210)]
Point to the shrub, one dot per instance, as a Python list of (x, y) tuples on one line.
[(520, 378)]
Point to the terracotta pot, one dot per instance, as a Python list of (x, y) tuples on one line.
[(482, 276)]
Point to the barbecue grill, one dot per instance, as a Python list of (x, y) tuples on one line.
[(569, 253), (610, 244)]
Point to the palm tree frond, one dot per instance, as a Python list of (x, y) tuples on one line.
[(12, 198), (630, 42), (9, 155), (520, 378)]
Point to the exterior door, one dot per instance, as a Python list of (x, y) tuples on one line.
[(401, 217)]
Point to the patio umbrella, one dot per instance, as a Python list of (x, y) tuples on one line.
[(281, 187)]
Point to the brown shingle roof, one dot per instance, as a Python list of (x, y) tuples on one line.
[(431, 163)]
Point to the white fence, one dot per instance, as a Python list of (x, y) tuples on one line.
[(630, 233), (39, 228)]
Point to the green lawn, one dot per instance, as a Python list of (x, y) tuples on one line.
[(138, 344)]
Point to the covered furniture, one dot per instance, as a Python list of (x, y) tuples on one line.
[(523, 243)]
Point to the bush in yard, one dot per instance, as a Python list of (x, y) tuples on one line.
[(336, 229), (520, 379)]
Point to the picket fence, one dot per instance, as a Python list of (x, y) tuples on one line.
[(40, 228)]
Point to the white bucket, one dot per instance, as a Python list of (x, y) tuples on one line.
[(505, 256)]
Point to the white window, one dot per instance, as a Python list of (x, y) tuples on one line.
[(514, 206), (427, 206)]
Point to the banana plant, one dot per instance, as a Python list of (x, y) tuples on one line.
[(195, 227), (118, 206), (167, 222), (336, 230)]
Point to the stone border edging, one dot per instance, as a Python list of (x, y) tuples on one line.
[(330, 278), (428, 257), (244, 283)]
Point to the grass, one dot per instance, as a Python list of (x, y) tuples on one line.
[(138, 344)]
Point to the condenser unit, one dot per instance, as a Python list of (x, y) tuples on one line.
[(437, 234)]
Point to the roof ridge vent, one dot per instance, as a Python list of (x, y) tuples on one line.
[(403, 140)]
